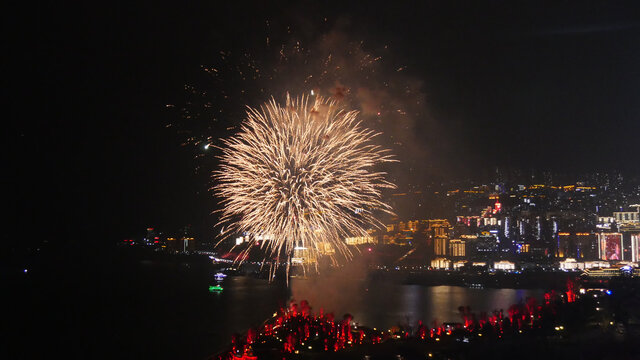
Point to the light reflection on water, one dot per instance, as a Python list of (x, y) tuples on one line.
[(384, 304), (406, 304), (247, 302)]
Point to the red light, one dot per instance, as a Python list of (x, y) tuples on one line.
[(156, 238), (155, 242)]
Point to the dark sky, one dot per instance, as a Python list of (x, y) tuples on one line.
[(529, 85)]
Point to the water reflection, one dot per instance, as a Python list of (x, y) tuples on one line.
[(384, 304), (247, 302)]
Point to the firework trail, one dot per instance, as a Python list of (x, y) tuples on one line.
[(301, 175)]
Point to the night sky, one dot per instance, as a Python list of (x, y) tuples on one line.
[(532, 85)]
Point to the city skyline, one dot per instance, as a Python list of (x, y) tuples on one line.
[(540, 224)]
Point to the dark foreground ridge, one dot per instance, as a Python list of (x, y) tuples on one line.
[(588, 321)]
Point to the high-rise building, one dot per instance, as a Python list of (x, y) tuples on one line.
[(441, 244), (610, 246), (580, 245), (440, 230), (457, 248), (635, 247), (485, 243)]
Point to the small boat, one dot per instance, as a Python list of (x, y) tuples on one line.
[(215, 288), (220, 276)]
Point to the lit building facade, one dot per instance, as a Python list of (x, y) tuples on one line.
[(182, 244), (605, 222), (610, 246), (441, 245), (359, 240), (635, 247), (624, 217), (457, 248), (571, 264), (504, 265), (458, 264), (441, 263), (596, 264)]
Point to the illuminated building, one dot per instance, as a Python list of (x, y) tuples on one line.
[(468, 220), (602, 273), (523, 248), (441, 263), (497, 207), (571, 264), (182, 244), (433, 223), (458, 264), (359, 240), (485, 243), (626, 217), (441, 245), (635, 247), (506, 227), (577, 245), (412, 225), (610, 246), (596, 264), (613, 271), (188, 243), (604, 222), (325, 248), (457, 248), (490, 221), (387, 239), (440, 230), (504, 265), (301, 256)]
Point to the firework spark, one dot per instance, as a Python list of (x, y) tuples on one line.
[(303, 176)]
